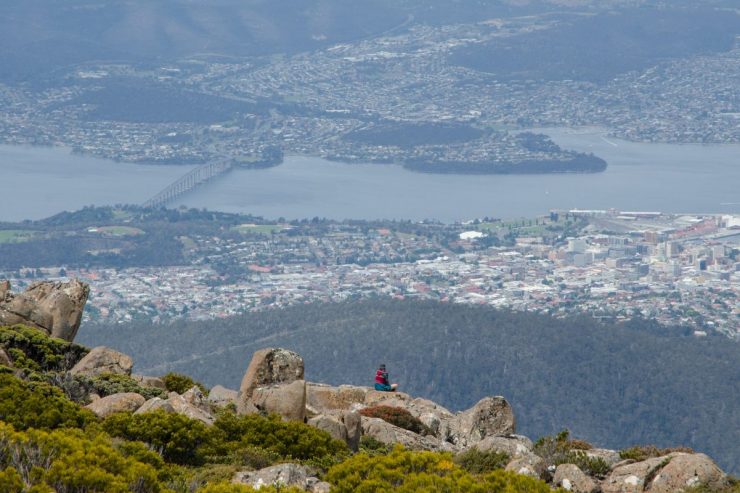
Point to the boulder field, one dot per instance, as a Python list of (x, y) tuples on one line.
[(274, 383)]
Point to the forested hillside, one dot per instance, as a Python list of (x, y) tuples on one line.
[(615, 385)]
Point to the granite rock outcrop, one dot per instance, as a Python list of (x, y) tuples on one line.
[(54, 307)]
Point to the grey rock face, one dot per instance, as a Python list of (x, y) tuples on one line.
[(688, 470), (491, 416), (630, 478), (282, 475), (527, 464), (268, 366), (191, 405), (353, 422), (183, 406), (287, 400), (571, 478), (54, 307), (332, 426), (611, 457), (322, 398), (514, 446), (103, 360), (221, 396), (126, 401), (195, 397), (390, 434), (154, 404)]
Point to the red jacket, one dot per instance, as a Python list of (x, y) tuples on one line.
[(381, 377)]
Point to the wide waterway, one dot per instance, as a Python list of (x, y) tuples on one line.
[(654, 177)]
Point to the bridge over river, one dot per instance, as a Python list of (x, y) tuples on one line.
[(188, 182)]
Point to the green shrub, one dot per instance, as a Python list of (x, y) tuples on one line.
[(643, 452), (577, 444), (560, 449), (289, 440), (141, 452), (32, 349), (593, 466), (10, 481), (38, 405), (69, 460), (113, 383), (177, 438), (254, 457), (405, 471), (397, 416), (478, 462), (177, 382), (373, 446), (243, 440)]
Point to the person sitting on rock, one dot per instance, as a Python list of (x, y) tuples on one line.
[(381, 380)]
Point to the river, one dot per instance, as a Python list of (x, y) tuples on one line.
[(653, 177), (37, 182)]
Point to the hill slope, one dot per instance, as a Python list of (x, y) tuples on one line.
[(613, 385)]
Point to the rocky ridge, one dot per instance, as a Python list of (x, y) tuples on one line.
[(274, 383)]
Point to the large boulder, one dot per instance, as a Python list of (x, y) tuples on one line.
[(390, 435), (288, 400), (491, 416), (322, 398), (195, 397), (186, 407), (191, 405), (571, 478), (103, 360), (514, 446), (54, 307), (282, 475), (341, 425), (381, 398), (126, 401), (331, 425), (610, 457), (154, 404), (353, 422), (688, 470), (221, 396), (634, 477), (528, 464), (268, 366)]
